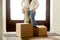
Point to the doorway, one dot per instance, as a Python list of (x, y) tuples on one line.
[(14, 14)]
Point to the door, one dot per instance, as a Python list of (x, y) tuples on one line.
[(14, 14)]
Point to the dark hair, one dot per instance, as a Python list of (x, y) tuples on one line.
[(30, 1)]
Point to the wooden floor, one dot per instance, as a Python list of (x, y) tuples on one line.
[(51, 36)]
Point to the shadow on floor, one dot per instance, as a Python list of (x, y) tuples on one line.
[(14, 35), (50, 36), (53, 34), (25, 39), (41, 38)]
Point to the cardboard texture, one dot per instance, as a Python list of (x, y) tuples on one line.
[(41, 30), (24, 30)]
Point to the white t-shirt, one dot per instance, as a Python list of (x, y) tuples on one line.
[(31, 6)]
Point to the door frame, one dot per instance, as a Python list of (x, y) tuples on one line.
[(8, 21)]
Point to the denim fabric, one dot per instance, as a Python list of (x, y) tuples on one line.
[(32, 18)]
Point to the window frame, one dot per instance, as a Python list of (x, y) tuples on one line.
[(11, 24)]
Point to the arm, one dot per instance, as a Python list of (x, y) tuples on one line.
[(22, 4), (37, 5)]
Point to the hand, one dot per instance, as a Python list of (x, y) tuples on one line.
[(33, 10), (23, 11)]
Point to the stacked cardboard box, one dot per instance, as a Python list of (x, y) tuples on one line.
[(41, 30), (24, 30)]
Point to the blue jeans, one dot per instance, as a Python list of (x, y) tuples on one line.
[(32, 18)]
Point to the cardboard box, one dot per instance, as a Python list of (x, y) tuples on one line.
[(41, 30), (24, 30)]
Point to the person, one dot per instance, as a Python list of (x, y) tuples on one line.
[(32, 12), (25, 8), (31, 6)]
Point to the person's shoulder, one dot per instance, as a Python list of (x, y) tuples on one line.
[(23, 0), (35, 0)]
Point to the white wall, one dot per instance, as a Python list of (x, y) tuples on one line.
[(4, 16), (1, 20), (56, 17)]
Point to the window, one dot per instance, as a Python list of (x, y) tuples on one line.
[(16, 10), (14, 14)]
